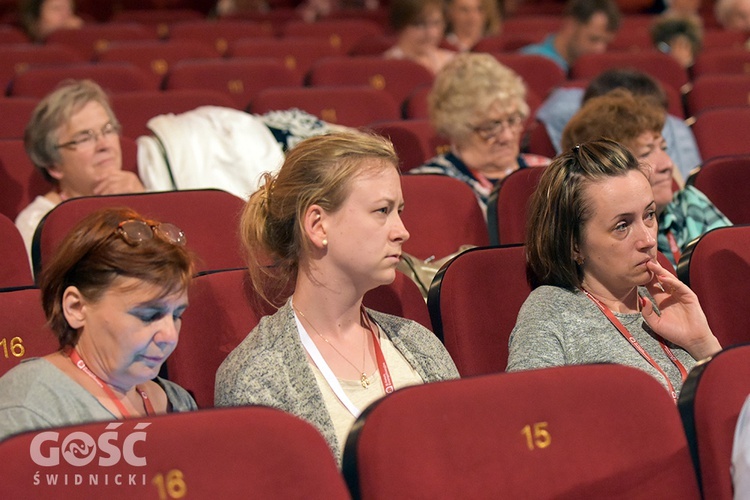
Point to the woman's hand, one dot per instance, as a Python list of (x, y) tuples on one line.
[(682, 320)]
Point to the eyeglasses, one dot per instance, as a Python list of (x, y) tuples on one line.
[(88, 138), (491, 129), (136, 231)]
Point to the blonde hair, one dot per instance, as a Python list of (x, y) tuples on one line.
[(318, 171), (470, 84)]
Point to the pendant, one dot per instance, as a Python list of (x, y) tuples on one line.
[(364, 381)]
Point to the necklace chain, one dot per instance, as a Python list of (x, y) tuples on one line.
[(363, 379)]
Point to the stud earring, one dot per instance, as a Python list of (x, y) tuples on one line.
[(579, 260), (324, 242)]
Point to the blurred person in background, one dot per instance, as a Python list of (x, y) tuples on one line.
[(420, 26), (469, 21), (588, 27), (42, 17)]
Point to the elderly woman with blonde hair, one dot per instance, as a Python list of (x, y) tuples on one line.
[(480, 106)]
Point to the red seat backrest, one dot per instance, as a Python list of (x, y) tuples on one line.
[(490, 436), (259, 452), (464, 306)]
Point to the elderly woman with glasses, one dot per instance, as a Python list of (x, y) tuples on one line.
[(113, 294), (480, 106), (73, 140)]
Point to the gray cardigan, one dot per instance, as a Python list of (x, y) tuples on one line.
[(270, 367)]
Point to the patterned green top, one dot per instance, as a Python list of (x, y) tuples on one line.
[(688, 216)]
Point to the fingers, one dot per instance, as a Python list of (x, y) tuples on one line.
[(663, 280), (121, 182)]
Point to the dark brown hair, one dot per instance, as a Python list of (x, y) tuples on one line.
[(559, 209)]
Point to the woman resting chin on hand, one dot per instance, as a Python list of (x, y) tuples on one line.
[(599, 295)]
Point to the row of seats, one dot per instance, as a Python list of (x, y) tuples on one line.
[(415, 139), (492, 439), (461, 306), (722, 179)]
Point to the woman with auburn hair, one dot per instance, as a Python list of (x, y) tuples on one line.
[(114, 294)]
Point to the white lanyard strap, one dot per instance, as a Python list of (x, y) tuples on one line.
[(328, 375)]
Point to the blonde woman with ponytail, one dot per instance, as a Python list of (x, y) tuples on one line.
[(320, 234)]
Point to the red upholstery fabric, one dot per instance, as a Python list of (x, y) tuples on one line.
[(719, 38), (541, 74), (272, 20), (20, 182), (441, 214), (710, 402), (349, 106), (507, 42), (113, 77), (724, 180), (223, 310), (342, 34), (25, 333), (721, 131), (398, 77), (718, 90), (92, 38), (657, 64), (543, 24), (415, 141), (242, 452), (15, 270), (507, 207), (135, 109), (16, 112), (538, 139), (17, 58), (729, 60), (297, 53), (219, 34), (373, 45), (585, 431), (155, 57), (415, 105), (474, 302), (209, 218), (12, 34), (240, 78), (717, 269), (400, 298), (160, 19)]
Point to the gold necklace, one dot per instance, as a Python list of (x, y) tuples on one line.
[(363, 379)]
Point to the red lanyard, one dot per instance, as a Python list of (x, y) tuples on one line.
[(638, 347), (76, 359), (385, 375), (673, 247)]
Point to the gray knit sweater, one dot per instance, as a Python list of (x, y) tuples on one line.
[(270, 367), (562, 327)]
